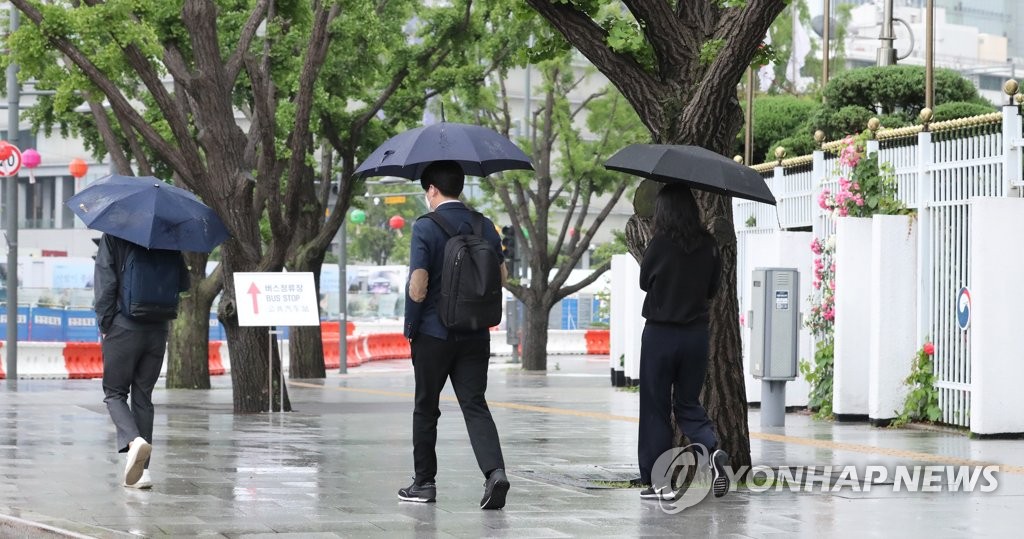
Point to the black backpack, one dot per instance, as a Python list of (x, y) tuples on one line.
[(470, 279), (150, 283)]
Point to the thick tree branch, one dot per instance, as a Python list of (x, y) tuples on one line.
[(660, 27), (563, 273), (642, 89), (237, 58), (743, 31), (300, 137), (567, 291), (119, 104), (564, 229), (121, 162)]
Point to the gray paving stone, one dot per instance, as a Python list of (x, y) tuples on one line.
[(332, 468)]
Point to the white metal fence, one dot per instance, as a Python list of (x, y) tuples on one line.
[(937, 173)]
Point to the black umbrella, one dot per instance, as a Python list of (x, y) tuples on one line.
[(697, 167), (479, 150), (149, 212)]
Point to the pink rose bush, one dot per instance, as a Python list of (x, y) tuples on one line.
[(823, 313)]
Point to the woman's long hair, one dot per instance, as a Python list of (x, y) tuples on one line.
[(677, 216)]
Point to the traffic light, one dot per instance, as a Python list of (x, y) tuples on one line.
[(508, 242)]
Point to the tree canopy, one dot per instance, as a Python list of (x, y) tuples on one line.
[(256, 106)]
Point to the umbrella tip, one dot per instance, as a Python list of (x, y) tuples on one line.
[(82, 205)]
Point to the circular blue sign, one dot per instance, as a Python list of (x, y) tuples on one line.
[(963, 308)]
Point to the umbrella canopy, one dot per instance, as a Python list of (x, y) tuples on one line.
[(479, 150), (697, 167), (149, 212)]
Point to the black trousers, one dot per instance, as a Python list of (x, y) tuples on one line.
[(672, 356), (465, 362)]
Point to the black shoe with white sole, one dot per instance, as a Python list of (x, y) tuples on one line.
[(495, 489), (651, 493), (427, 492), (719, 478)]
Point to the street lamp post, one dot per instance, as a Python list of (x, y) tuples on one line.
[(929, 56), (11, 194), (342, 299)]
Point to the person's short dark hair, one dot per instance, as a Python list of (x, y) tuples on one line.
[(446, 176)]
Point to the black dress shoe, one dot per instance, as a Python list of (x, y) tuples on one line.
[(495, 489)]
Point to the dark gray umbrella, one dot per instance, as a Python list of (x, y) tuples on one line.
[(149, 212), (697, 167), (479, 150)]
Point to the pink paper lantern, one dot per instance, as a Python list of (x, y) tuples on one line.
[(30, 158)]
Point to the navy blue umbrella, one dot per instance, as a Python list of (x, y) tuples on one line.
[(149, 212), (480, 151)]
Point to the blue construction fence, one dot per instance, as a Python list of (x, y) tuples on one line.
[(51, 324), (581, 312)]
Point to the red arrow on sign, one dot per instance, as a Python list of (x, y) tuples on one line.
[(255, 291)]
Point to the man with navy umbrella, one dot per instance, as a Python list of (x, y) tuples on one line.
[(138, 277)]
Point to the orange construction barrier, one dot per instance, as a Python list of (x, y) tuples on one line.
[(332, 357), (598, 342), (216, 365), (328, 329), (377, 343), (83, 359), (355, 355), (400, 347)]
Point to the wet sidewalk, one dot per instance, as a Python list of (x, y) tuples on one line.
[(331, 468)]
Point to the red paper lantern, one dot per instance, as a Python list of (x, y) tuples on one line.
[(396, 222), (5, 150), (78, 167)]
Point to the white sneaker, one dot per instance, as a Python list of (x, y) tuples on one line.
[(138, 454), (143, 482)]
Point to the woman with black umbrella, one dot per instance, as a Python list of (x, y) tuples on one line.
[(680, 273)]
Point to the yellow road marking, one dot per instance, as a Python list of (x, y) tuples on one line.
[(768, 437)]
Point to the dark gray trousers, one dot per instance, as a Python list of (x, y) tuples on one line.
[(132, 359)]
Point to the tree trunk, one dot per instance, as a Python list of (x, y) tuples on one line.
[(188, 365), (725, 393), (535, 336), (305, 343), (249, 346)]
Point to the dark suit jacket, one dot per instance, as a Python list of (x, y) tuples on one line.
[(107, 285), (427, 253)]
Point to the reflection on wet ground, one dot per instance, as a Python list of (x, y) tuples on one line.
[(332, 467)]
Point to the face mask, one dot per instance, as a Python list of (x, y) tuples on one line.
[(426, 198)]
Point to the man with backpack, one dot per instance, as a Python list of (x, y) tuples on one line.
[(452, 299), (136, 295)]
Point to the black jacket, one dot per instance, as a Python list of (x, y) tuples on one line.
[(107, 285), (679, 285)]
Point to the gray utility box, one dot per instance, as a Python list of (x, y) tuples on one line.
[(774, 323)]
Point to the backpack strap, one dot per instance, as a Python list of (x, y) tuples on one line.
[(441, 222), (478, 223)]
